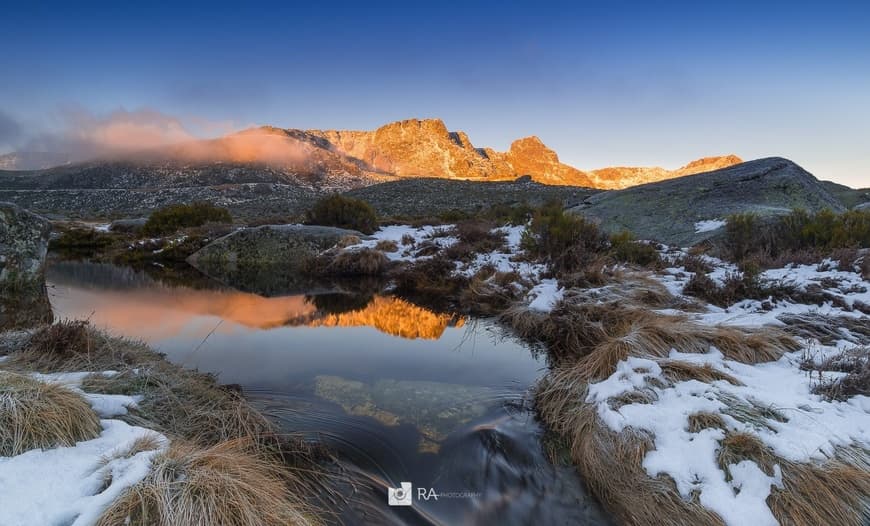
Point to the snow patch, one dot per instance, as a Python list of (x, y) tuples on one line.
[(709, 225)]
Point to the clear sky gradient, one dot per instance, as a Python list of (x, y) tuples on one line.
[(603, 82)]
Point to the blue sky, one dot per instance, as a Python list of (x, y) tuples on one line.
[(602, 83)]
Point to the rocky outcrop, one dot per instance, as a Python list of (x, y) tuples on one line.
[(684, 211), (426, 148), (275, 252), (23, 246)]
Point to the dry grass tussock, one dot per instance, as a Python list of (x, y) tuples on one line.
[(854, 362), (362, 262), (177, 402), (35, 415), (830, 492), (597, 336), (827, 329), (233, 483), (611, 463), (76, 346)]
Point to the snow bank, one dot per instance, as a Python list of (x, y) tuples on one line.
[(72, 485), (545, 295)]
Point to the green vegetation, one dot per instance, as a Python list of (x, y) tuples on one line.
[(172, 218), (82, 240), (343, 212), (748, 236), (625, 248), (566, 241)]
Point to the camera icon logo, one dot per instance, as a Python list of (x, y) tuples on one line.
[(400, 496)]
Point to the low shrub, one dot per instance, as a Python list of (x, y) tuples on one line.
[(625, 248), (36, 415), (82, 239), (343, 212), (172, 218), (566, 241), (798, 232)]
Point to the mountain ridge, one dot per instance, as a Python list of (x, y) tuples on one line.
[(400, 149)]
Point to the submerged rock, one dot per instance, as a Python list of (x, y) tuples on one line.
[(23, 245), (436, 409)]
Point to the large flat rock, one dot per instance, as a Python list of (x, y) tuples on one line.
[(269, 253), (682, 211)]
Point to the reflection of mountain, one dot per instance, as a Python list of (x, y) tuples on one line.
[(132, 304), (395, 317)]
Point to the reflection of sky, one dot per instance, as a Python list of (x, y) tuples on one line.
[(246, 343)]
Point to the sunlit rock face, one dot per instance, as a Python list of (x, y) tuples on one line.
[(617, 177), (23, 245), (426, 148)]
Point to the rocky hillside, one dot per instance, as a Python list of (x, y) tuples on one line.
[(689, 209), (32, 160)]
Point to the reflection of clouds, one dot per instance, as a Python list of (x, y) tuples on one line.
[(167, 312)]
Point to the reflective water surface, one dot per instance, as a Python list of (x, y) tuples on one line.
[(399, 392)]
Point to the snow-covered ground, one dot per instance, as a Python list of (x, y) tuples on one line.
[(812, 428), (411, 239), (74, 485), (709, 225)]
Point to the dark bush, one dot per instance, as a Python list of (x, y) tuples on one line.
[(566, 241), (624, 247), (173, 218), (78, 239), (795, 236), (343, 212)]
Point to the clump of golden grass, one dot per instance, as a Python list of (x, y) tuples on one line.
[(348, 240), (680, 371), (76, 346), (704, 420), (737, 447), (836, 491), (232, 483), (387, 245), (35, 414), (62, 339), (597, 336), (183, 403), (826, 329)]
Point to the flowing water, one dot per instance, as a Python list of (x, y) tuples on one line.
[(400, 393)]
